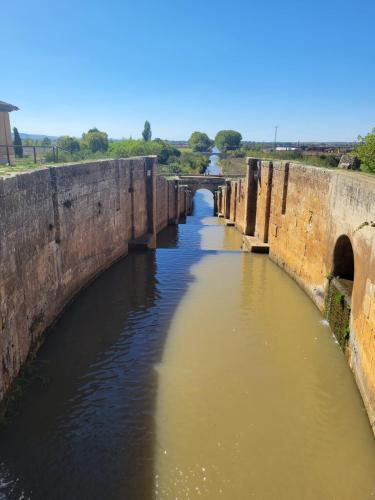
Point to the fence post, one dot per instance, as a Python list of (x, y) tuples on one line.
[(34, 151), (8, 156)]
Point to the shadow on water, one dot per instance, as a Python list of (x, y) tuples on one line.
[(187, 235), (85, 429)]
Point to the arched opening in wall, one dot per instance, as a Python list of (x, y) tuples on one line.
[(343, 259), (203, 203), (338, 299)]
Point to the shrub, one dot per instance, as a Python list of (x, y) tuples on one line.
[(366, 151), (95, 140), (132, 147)]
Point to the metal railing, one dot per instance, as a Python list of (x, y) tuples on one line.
[(37, 154)]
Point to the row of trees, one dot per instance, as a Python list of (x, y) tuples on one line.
[(168, 155), (93, 141), (201, 143), (96, 141), (224, 140)]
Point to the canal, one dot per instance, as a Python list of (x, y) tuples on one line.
[(214, 167), (194, 371)]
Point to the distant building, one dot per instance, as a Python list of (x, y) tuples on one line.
[(287, 148), (6, 153)]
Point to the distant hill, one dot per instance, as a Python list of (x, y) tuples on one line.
[(37, 137)]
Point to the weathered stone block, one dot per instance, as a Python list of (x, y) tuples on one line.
[(349, 162)]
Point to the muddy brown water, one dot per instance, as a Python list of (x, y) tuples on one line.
[(195, 371)]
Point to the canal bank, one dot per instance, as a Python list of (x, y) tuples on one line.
[(190, 371)]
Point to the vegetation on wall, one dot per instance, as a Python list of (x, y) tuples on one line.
[(337, 310)]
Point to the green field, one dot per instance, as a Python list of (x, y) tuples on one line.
[(233, 165), (23, 165), (185, 150)]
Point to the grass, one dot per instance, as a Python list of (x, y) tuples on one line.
[(6, 170), (27, 165), (230, 166), (233, 165), (185, 150)]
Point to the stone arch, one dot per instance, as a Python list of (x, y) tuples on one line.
[(199, 189), (340, 288), (196, 182), (343, 259), (212, 188)]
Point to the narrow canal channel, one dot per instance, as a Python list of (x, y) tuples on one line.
[(195, 371), (214, 167)]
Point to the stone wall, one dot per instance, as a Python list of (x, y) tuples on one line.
[(302, 212), (233, 201), (162, 201), (60, 227), (172, 201), (240, 205)]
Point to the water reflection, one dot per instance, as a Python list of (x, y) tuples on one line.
[(202, 230), (214, 168), (86, 422), (90, 412), (255, 398)]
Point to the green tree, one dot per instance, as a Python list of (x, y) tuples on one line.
[(95, 140), (70, 144), (147, 134), (228, 139), (132, 147), (199, 141), (190, 162), (366, 151), (17, 143), (165, 151), (46, 141)]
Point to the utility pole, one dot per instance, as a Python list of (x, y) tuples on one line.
[(276, 127)]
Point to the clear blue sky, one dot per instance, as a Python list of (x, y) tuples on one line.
[(306, 66)]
